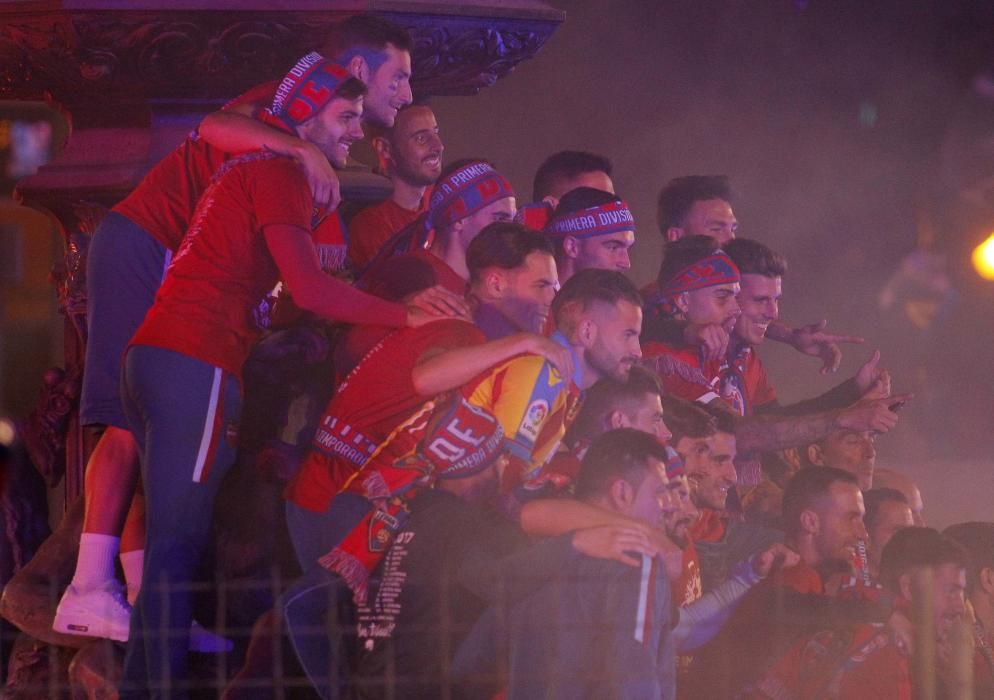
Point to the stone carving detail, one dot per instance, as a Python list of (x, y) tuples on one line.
[(463, 62), (46, 429), (209, 55)]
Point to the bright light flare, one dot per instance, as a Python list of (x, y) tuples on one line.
[(983, 258)]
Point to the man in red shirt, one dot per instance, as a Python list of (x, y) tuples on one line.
[(182, 370), (126, 264), (407, 368), (410, 154), (469, 195), (866, 661), (823, 520), (700, 283)]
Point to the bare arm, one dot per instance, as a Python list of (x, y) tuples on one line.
[(769, 432), (601, 533), (442, 371), (234, 130), (314, 291)]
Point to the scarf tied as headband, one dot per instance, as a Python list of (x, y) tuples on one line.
[(612, 217), (307, 88), (713, 270), (464, 192)]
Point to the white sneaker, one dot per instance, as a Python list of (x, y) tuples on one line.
[(100, 612), (104, 612), (206, 642)]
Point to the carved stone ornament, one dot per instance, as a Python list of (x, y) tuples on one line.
[(84, 52)]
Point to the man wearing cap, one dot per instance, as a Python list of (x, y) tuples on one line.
[(591, 229), (182, 368)]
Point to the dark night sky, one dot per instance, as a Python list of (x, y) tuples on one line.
[(830, 119)]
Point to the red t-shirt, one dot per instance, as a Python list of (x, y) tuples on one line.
[(376, 397), (682, 372), (710, 526), (164, 201), (861, 663), (374, 226), (223, 269), (393, 279)]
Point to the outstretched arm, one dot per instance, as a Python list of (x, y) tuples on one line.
[(600, 533), (442, 371), (813, 340), (330, 298), (771, 432)]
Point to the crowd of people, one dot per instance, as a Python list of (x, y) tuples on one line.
[(533, 479)]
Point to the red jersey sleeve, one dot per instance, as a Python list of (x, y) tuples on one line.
[(280, 195)]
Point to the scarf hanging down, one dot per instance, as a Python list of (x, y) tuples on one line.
[(448, 438)]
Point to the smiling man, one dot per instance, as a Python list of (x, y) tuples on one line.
[(181, 380), (699, 284), (823, 522), (867, 662), (410, 154)]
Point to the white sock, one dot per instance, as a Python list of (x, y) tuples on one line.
[(133, 563), (95, 563)]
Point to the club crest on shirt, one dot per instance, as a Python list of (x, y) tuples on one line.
[(381, 528), (535, 414)]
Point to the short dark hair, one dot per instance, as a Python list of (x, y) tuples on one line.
[(503, 244), (374, 130), (807, 487), (679, 195), (914, 547), (754, 258), (351, 89), (684, 252), (588, 286), (725, 419), (580, 198), (977, 538), (565, 165), (606, 396), (623, 453), (365, 31), (686, 419), (874, 500)]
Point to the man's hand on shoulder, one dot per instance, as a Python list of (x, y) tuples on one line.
[(434, 303), (557, 355)]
